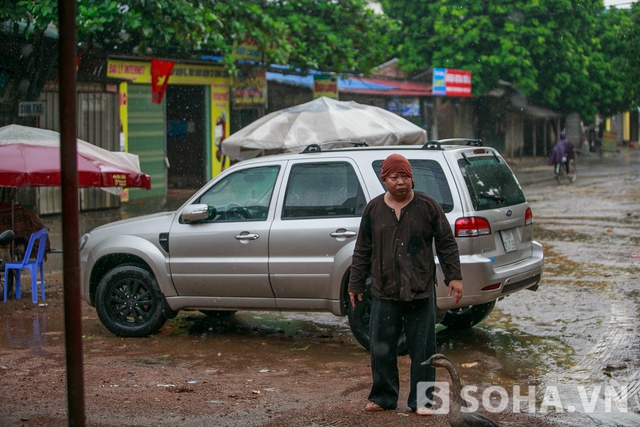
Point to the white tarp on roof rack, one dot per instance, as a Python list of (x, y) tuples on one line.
[(322, 120)]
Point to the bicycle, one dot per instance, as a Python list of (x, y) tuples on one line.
[(561, 175)]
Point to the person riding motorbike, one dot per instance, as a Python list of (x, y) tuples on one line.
[(563, 152)]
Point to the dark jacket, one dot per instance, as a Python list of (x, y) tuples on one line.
[(398, 255)]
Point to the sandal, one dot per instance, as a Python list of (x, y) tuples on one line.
[(373, 407), (423, 411)]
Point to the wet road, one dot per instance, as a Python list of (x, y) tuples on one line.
[(583, 323), (573, 346)]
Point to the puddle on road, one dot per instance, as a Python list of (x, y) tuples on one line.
[(34, 331), (503, 356), (588, 300), (492, 354), (506, 350), (248, 334), (246, 339), (289, 325)]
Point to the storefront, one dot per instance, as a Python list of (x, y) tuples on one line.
[(177, 141)]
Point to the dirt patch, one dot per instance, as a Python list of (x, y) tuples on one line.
[(248, 378)]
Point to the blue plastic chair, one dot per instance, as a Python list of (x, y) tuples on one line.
[(41, 237)]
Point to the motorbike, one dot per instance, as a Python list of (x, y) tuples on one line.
[(561, 174)]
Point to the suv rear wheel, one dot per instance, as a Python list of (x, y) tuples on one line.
[(129, 302), (359, 317), (467, 317)]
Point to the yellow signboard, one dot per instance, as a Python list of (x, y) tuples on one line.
[(248, 49), (325, 85), (182, 74), (250, 87), (609, 141), (124, 129)]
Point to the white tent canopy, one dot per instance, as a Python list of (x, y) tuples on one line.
[(322, 120)]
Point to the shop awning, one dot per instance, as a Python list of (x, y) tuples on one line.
[(359, 85), (379, 86)]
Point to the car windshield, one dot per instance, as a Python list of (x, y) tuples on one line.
[(429, 178), (490, 182)]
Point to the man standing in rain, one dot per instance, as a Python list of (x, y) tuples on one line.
[(394, 248)]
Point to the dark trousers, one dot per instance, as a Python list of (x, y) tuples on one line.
[(387, 319)]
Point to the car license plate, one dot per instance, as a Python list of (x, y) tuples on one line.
[(508, 241)]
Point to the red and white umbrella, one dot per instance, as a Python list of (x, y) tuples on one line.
[(30, 157)]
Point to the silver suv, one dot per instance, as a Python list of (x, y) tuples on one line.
[(278, 232)]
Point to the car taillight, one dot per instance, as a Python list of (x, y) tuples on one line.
[(471, 227), (528, 217)]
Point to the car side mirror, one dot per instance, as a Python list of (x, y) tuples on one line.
[(197, 212)]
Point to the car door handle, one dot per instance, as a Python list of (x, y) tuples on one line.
[(247, 236), (343, 233)]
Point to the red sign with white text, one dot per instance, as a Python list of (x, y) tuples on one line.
[(458, 82)]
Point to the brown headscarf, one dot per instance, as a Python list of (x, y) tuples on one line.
[(395, 163)]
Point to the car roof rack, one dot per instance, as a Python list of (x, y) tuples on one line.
[(317, 147), (436, 144), (475, 142), (432, 145)]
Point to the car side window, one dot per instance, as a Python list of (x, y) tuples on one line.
[(321, 190), (244, 195), (429, 178)]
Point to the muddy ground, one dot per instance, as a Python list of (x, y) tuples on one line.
[(257, 369), (297, 369)]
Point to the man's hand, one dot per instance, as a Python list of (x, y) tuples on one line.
[(455, 288), (354, 295)]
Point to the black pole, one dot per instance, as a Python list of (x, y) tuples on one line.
[(70, 228)]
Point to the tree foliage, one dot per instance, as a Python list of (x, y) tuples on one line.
[(631, 58), (612, 80), (551, 50), (341, 36), (344, 36)]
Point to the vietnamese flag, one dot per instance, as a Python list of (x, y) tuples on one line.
[(160, 72)]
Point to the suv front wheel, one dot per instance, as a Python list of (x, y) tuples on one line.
[(129, 302)]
